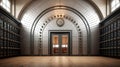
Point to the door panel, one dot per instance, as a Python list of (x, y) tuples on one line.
[(55, 44), (64, 44), (60, 44)]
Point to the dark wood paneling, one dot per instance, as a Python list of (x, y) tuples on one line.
[(9, 35), (110, 35)]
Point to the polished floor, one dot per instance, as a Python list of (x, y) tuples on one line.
[(60, 61)]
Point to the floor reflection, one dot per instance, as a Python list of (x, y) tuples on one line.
[(59, 61)]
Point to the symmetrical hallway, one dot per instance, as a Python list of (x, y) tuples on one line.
[(59, 33), (60, 61)]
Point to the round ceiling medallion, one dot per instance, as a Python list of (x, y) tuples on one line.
[(60, 22)]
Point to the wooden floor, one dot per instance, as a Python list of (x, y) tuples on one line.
[(59, 61)]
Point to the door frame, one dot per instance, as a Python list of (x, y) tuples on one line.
[(59, 31)]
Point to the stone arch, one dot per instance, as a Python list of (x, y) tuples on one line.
[(63, 8)]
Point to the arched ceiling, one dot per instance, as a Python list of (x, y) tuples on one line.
[(36, 9), (99, 6), (83, 6)]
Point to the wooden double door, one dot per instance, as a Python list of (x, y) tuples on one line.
[(60, 44)]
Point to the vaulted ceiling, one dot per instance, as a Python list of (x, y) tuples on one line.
[(33, 13), (22, 5)]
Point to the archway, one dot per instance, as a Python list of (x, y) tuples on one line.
[(63, 8)]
